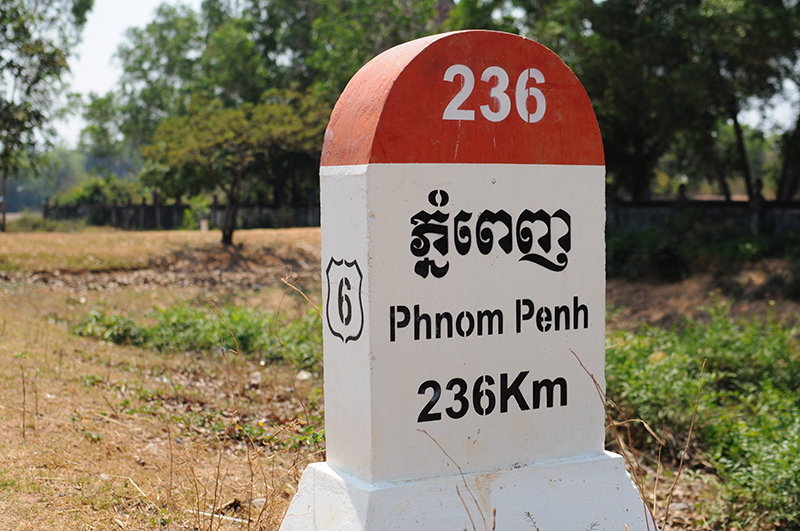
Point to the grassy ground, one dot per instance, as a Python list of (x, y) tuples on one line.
[(136, 433), (101, 436)]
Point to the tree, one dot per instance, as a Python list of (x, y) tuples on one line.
[(348, 33), (497, 15), (231, 66), (108, 151), (217, 147), (657, 68), (160, 65), (283, 34), (686, 158), (790, 168), (36, 38), (742, 47)]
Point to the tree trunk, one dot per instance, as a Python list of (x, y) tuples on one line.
[(3, 195), (231, 210), (748, 178), (229, 225), (724, 188), (790, 171)]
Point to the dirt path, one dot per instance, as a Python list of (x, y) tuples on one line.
[(634, 302)]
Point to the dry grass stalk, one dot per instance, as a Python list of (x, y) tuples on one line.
[(466, 486), (686, 448), (629, 453), (24, 405)]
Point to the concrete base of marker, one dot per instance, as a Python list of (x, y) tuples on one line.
[(588, 492)]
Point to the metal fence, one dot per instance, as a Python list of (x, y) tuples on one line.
[(756, 217), (145, 216)]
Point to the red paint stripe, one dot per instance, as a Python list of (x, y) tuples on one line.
[(392, 109)]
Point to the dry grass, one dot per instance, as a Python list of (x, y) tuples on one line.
[(103, 249), (124, 438)]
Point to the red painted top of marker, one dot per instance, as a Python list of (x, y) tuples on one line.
[(464, 97)]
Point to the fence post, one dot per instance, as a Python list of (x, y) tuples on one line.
[(757, 208), (157, 209), (176, 211)]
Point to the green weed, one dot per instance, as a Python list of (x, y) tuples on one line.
[(190, 328), (111, 328), (748, 418)]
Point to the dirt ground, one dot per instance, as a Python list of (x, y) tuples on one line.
[(635, 302), (100, 436)]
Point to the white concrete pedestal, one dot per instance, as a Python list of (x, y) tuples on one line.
[(576, 494)]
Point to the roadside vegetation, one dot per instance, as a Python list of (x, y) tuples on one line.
[(686, 247), (733, 386), (255, 334)]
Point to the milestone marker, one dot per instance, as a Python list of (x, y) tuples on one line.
[(462, 195)]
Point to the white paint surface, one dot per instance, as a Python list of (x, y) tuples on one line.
[(592, 491), (372, 384)]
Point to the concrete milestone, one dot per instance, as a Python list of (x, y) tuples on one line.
[(462, 192)]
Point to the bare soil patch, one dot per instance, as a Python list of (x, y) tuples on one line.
[(636, 302)]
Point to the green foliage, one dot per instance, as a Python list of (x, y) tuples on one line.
[(764, 479), (497, 15), (349, 33), (300, 341), (747, 418), (645, 253), (658, 69), (670, 252), (233, 70), (36, 37), (28, 223), (111, 328), (308, 436), (226, 148), (59, 170), (107, 150), (199, 209), (158, 62), (103, 191), (190, 328), (719, 160)]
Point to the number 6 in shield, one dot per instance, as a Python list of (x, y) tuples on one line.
[(344, 291)]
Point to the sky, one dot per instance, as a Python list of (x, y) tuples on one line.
[(92, 67), (94, 70)]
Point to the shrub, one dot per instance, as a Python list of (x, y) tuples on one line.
[(98, 190), (748, 417), (189, 328), (671, 252), (112, 328)]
